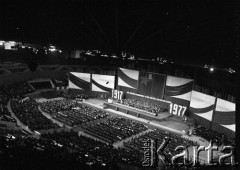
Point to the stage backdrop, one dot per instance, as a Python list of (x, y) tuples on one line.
[(201, 108), (151, 84), (128, 78), (102, 83), (79, 81), (225, 116), (178, 91)]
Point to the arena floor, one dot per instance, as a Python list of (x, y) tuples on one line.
[(170, 124)]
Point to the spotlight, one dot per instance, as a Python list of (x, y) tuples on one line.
[(211, 69)]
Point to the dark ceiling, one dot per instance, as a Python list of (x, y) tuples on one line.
[(194, 31)]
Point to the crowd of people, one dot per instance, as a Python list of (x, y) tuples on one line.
[(4, 97), (115, 129), (211, 135), (26, 110), (147, 106), (76, 94), (157, 136), (50, 94), (71, 112), (5, 115), (60, 82), (18, 89), (69, 150), (62, 150), (11, 91), (41, 85)]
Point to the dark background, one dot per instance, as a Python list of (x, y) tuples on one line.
[(199, 31)]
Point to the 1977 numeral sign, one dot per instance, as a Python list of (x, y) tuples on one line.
[(177, 109), (117, 94)]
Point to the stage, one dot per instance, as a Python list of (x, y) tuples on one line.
[(137, 112), (163, 121)]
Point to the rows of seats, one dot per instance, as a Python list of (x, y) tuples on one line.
[(26, 110), (60, 82), (211, 135), (68, 150), (41, 85), (94, 150), (51, 94), (115, 129), (158, 135), (149, 107), (12, 133), (4, 97), (5, 115), (72, 113), (76, 94), (20, 88), (64, 150)]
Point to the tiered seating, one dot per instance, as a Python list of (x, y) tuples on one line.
[(158, 135), (64, 150), (78, 94), (5, 115), (149, 107), (4, 97), (60, 82), (41, 85), (28, 113), (50, 94), (115, 129), (210, 135), (18, 88), (71, 112), (14, 133)]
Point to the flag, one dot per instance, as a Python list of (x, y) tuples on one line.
[(79, 81), (102, 83), (128, 78), (151, 84)]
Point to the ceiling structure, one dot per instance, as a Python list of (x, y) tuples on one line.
[(189, 32)]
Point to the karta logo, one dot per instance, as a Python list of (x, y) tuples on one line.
[(152, 155)]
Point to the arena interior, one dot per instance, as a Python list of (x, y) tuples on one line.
[(76, 108)]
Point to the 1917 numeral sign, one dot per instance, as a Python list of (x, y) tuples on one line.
[(117, 94), (177, 109)]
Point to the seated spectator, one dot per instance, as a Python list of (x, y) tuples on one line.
[(26, 110)]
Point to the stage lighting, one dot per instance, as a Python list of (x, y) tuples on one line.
[(211, 69)]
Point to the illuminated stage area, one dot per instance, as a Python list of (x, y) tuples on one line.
[(163, 120)]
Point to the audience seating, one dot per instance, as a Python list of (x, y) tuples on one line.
[(72, 113), (27, 112)]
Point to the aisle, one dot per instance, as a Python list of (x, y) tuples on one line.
[(19, 123), (120, 143)]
